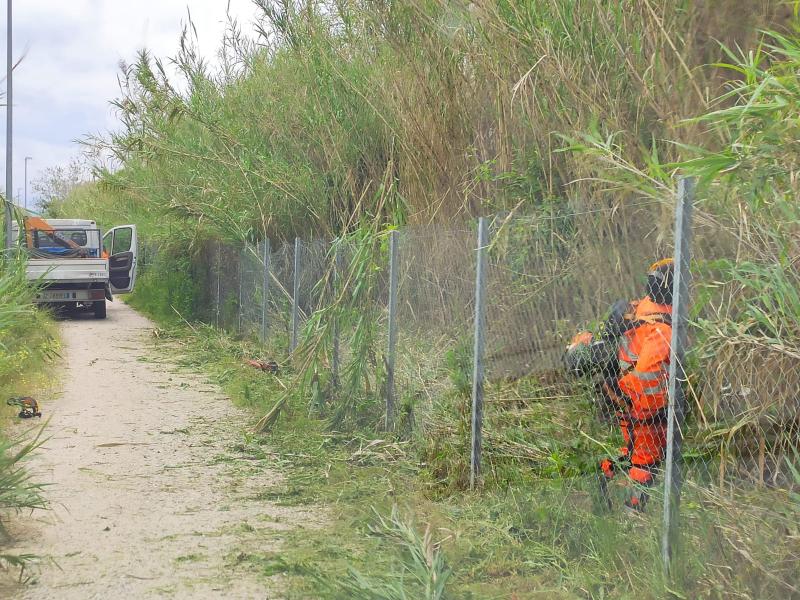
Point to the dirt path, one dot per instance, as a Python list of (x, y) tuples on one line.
[(150, 497)]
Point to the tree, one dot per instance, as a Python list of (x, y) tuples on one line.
[(56, 183)]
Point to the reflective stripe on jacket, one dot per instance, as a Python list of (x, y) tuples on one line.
[(644, 359)]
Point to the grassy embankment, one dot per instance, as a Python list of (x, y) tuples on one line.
[(27, 343), (369, 115)]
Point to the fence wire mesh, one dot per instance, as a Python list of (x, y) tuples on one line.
[(548, 276), (742, 431), (436, 288)]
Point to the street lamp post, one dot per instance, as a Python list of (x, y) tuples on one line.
[(27, 158), (9, 121)]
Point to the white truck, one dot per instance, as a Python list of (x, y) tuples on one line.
[(76, 267)]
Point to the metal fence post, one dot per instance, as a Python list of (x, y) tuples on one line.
[(337, 274), (295, 296), (219, 269), (394, 241), (477, 357), (265, 290), (239, 310), (677, 377)]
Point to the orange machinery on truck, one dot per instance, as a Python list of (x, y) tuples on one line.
[(75, 265)]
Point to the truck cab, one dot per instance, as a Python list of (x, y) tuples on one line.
[(75, 266)]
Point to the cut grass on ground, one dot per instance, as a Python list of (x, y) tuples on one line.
[(523, 536)]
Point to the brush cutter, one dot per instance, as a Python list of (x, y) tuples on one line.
[(29, 407)]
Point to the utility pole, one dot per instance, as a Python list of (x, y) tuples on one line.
[(27, 158), (9, 121)]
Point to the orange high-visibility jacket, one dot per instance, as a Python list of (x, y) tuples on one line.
[(644, 359)]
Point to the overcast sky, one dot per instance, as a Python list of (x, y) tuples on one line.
[(72, 51)]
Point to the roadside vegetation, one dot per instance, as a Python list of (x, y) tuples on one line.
[(27, 344), (343, 120)]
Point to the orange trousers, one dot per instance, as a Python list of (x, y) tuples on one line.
[(645, 448)]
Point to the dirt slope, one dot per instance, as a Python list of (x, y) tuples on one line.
[(150, 496)]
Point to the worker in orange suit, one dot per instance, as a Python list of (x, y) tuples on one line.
[(632, 357)]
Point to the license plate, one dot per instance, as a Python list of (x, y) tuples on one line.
[(57, 295), (53, 296)]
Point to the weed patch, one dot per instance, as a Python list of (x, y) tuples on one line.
[(27, 345)]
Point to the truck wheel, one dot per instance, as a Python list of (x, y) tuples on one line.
[(99, 309)]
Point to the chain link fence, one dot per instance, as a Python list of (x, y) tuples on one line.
[(459, 342)]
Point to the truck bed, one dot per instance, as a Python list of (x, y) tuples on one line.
[(68, 270)]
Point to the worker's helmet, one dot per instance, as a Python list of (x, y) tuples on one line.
[(659, 281)]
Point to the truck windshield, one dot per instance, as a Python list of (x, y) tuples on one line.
[(63, 243)]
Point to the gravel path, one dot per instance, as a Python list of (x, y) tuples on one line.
[(153, 493)]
